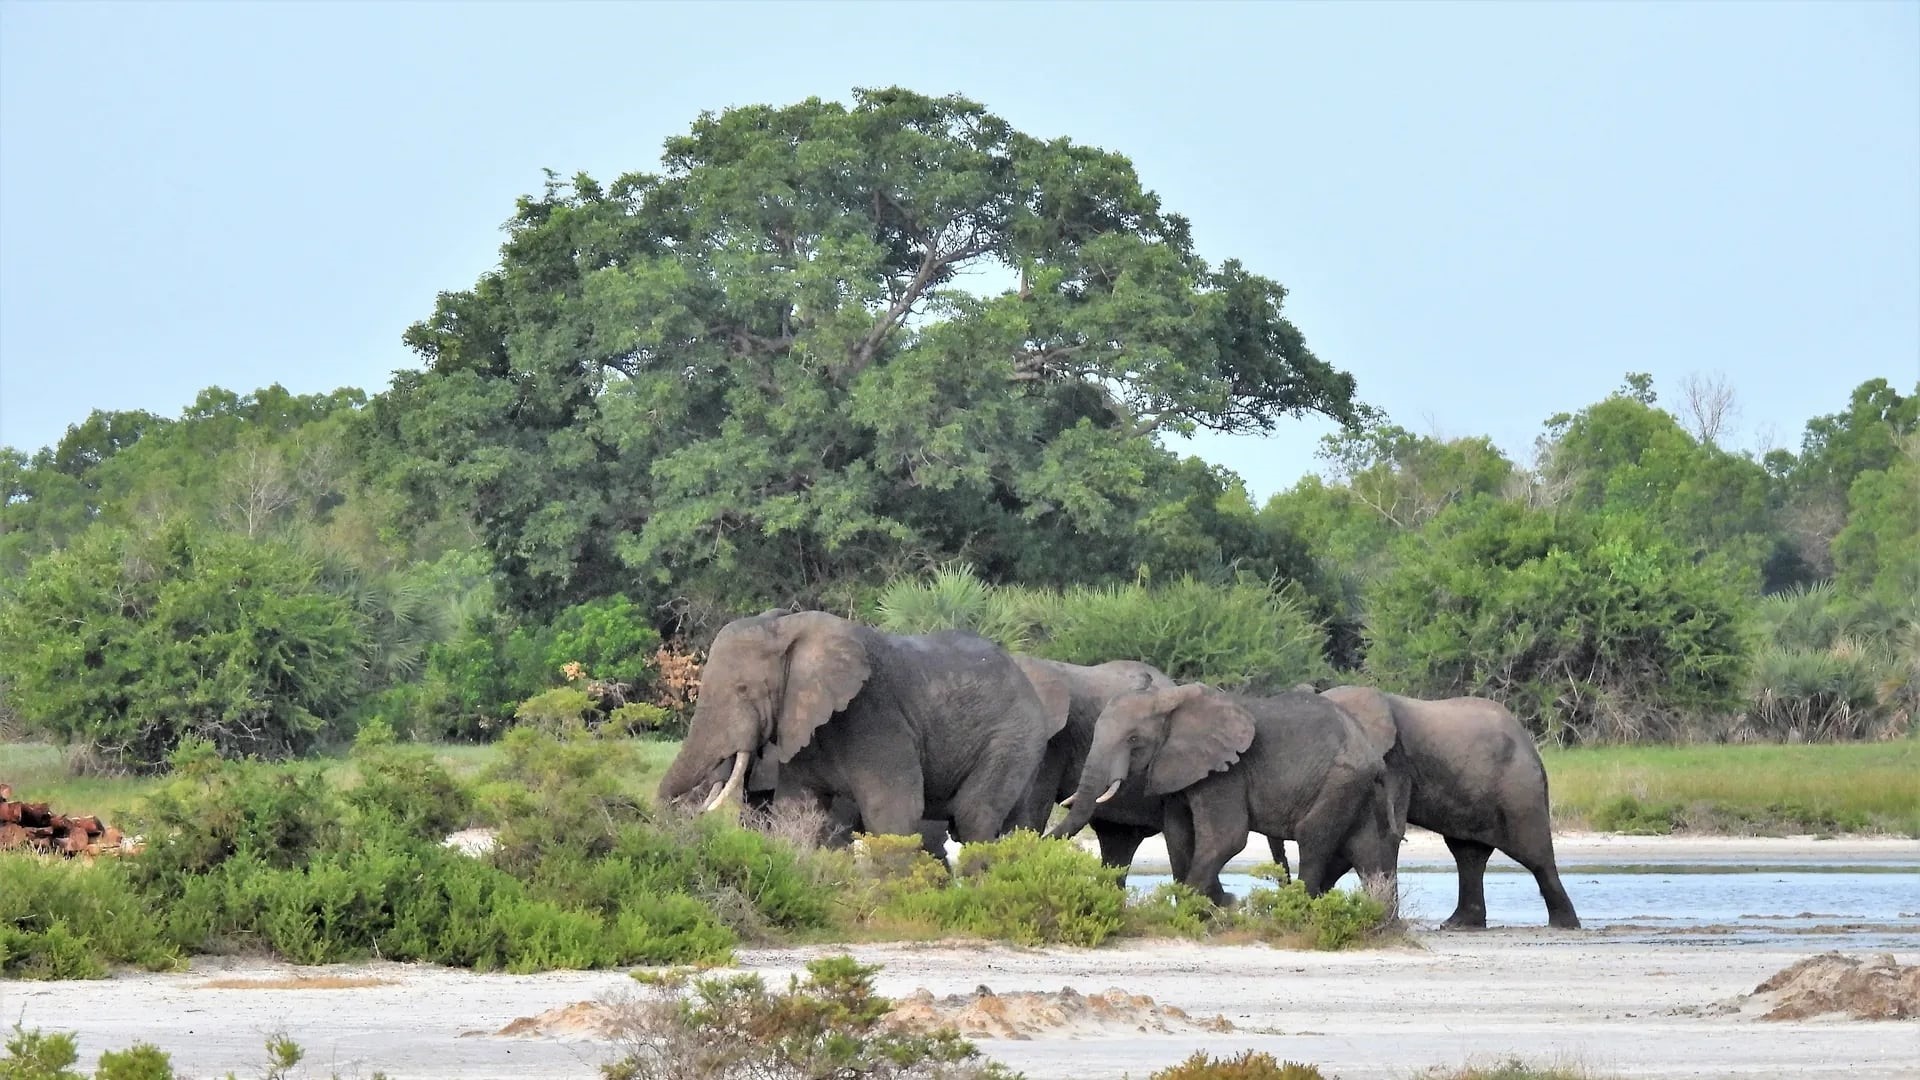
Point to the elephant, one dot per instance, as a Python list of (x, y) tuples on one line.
[(905, 729), (1079, 693), (1465, 768), (1292, 765)]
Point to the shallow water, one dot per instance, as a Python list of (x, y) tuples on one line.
[(1770, 899)]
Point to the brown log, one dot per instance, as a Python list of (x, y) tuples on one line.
[(6, 792), (111, 836), (10, 813), (12, 836), (75, 841), (89, 825), (35, 815)]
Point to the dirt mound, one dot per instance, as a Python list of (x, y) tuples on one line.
[(1022, 1015), (982, 1014), (1873, 989), (582, 1019)]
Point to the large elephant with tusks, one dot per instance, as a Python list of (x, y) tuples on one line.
[(901, 728)]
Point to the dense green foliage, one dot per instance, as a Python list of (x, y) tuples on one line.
[(1242, 635), (826, 348), (758, 375), (1598, 626)]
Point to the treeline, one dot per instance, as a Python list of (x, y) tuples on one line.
[(765, 375), (230, 575)]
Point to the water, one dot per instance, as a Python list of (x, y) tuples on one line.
[(1770, 898)]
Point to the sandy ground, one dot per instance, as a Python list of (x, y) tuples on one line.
[(1623, 1004)]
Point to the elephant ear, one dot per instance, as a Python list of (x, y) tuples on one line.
[(1206, 732), (826, 667), (1056, 697)]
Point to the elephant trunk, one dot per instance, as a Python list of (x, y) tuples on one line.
[(1099, 781)]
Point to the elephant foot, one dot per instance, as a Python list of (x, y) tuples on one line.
[(1563, 920), (1457, 921)]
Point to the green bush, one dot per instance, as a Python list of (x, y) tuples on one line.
[(830, 1024), (1335, 919), (1025, 888), (1239, 636), (1249, 1065), (1832, 668), (63, 919), (1589, 629), (1171, 908), (1627, 814), (127, 644)]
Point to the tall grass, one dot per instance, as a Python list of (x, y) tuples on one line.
[(1835, 787), (40, 773)]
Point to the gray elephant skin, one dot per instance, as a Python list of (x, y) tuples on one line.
[(1077, 694), (1289, 766), (901, 728), (1466, 769)]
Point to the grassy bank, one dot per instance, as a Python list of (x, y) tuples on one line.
[(38, 773), (1814, 788)]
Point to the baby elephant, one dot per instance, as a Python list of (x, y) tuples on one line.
[(1289, 766)]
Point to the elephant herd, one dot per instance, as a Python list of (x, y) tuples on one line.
[(948, 734)]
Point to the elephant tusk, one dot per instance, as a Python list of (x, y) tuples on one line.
[(1111, 790), (1068, 801), (734, 784)]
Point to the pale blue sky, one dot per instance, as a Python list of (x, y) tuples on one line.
[(1486, 212)]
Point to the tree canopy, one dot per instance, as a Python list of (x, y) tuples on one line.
[(826, 341)]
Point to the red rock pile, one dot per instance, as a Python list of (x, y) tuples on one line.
[(36, 827)]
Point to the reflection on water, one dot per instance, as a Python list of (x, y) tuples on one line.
[(1769, 900)]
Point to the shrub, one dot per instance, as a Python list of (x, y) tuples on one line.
[(830, 1024), (408, 787), (1239, 636), (1172, 908), (1250, 1065), (1589, 629), (1022, 887), (62, 919), (1335, 919), (555, 710), (129, 644)]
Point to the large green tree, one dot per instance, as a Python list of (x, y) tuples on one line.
[(828, 341)]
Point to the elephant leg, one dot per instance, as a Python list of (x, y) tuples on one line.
[(890, 805), (1220, 828), (1178, 827), (1118, 843), (1470, 861), (1537, 857), (987, 805), (1278, 845)]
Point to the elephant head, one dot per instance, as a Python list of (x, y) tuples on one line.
[(1172, 738), (771, 680)]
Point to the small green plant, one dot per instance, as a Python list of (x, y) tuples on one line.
[(559, 709), (829, 1025), (1335, 919), (61, 919), (32, 1055), (1022, 887), (1249, 1065), (141, 1061), (1627, 814), (1172, 908)]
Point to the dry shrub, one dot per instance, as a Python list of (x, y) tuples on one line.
[(734, 1028)]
